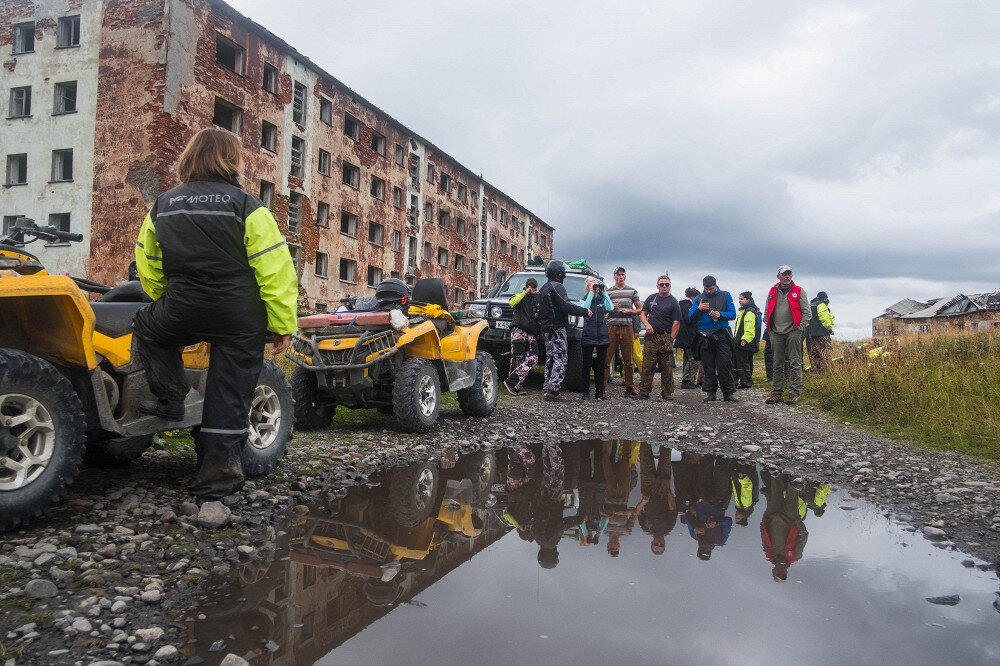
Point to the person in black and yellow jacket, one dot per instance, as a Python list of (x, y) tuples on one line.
[(211, 257), (747, 340)]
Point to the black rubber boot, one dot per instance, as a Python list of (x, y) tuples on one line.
[(168, 410)]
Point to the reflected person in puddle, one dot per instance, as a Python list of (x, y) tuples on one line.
[(746, 491), (782, 528), (706, 518), (657, 511), (592, 488), (619, 460)]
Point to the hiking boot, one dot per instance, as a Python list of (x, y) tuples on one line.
[(585, 395), (553, 396), (599, 397), (667, 398), (792, 400), (710, 397), (773, 399), (643, 396), (730, 398), (511, 387), (688, 385), (630, 392), (168, 410)]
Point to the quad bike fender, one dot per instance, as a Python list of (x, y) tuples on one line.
[(421, 340), (47, 316), (462, 343)]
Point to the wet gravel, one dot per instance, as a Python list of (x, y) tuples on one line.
[(109, 576)]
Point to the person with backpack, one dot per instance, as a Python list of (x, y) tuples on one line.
[(820, 330), (554, 310), (748, 325), (524, 332), (595, 338)]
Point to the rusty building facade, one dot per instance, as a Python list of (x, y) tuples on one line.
[(104, 94), (973, 312)]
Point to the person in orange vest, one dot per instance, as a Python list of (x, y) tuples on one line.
[(787, 315)]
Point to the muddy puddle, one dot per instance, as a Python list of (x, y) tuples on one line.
[(599, 552)]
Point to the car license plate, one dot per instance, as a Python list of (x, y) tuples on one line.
[(505, 325)]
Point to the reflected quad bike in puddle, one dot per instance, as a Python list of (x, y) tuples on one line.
[(596, 551)]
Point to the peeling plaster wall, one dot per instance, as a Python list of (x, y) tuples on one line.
[(43, 132)]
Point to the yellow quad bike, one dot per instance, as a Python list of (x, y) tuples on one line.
[(401, 367), (68, 384)]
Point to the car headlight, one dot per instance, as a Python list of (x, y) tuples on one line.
[(478, 309), (496, 312)]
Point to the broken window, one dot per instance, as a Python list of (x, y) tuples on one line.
[(374, 276), (399, 155), (503, 217), (493, 241), (65, 97), (20, 102), (415, 172), (24, 37), (348, 223), (347, 270), (68, 32), (294, 212), (503, 247), (293, 250), (427, 251), (513, 252), (459, 262), (17, 169), (460, 226), (60, 221), (299, 103), (459, 296), (322, 214), (430, 172), (227, 116), (375, 233), (442, 256), (62, 165), (428, 211), (397, 241), (324, 162), (378, 143), (444, 218), (445, 183), (352, 175), (397, 197), (514, 225), (545, 241), (326, 110), (229, 54), (266, 194), (352, 126), (321, 261), (298, 152), (377, 188), (463, 192), (268, 136), (270, 82)]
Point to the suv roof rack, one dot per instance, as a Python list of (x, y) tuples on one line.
[(539, 263)]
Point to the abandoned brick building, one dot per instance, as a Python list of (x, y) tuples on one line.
[(104, 94), (954, 313)]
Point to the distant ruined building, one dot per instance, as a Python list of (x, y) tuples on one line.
[(955, 313), (103, 95)]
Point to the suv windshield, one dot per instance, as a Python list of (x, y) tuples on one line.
[(576, 285)]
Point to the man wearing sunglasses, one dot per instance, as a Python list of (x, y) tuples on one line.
[(661, 315)]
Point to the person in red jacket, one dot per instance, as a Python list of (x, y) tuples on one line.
[(787, 316), (783, 532)]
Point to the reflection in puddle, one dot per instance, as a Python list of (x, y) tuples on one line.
[(622, 550)]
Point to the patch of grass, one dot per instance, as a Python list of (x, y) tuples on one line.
[(85, 542), (92, 644), (941, 391), (73, 565), (174, 441), (11, 651), (192, 580), (178, 532), (22, 602), (135, 567), (10, 575), (228, 533), (39, 618)]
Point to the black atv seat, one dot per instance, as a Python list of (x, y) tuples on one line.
[(430, 291), (115, 319)]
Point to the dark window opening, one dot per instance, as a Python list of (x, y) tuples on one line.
[(69, 32), (227, 116), (229, 54)]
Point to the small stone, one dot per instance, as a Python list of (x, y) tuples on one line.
[(213, 515), (217, 646), (83, 626), (39, 588), (232, 660), (249, 551), (271, 646), (168, 516), (750, 448), (166, 652), (189, 509), (107, 551), (118, 607), (149, 635), (45, 559), (88, 529), (151, 596), (949, 600), (934, 532)]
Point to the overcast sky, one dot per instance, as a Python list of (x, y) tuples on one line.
[(858, 142)]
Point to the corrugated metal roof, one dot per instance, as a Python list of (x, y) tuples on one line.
[(952, 306)]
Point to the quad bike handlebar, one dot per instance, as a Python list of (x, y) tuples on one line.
[(24, 231)]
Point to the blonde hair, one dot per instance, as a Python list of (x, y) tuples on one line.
[(591, 281), (211, 153)]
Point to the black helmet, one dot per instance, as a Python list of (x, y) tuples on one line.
[(555, 270), (393, 293)]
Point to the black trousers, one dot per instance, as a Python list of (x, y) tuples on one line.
[(717, 359), (234, 367), (595, 362), (743, 366)]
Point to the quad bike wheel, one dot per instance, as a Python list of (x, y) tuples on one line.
[(116, 452), (416, 395), (480, 468), (272, 413), (42, 431), (313, 411), (480, 399), (412, 493)]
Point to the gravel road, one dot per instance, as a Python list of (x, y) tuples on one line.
[(108, 576)]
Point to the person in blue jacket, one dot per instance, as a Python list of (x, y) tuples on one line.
[(595, 337), (714, 310)]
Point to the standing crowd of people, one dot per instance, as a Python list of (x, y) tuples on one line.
[(716, 356)]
